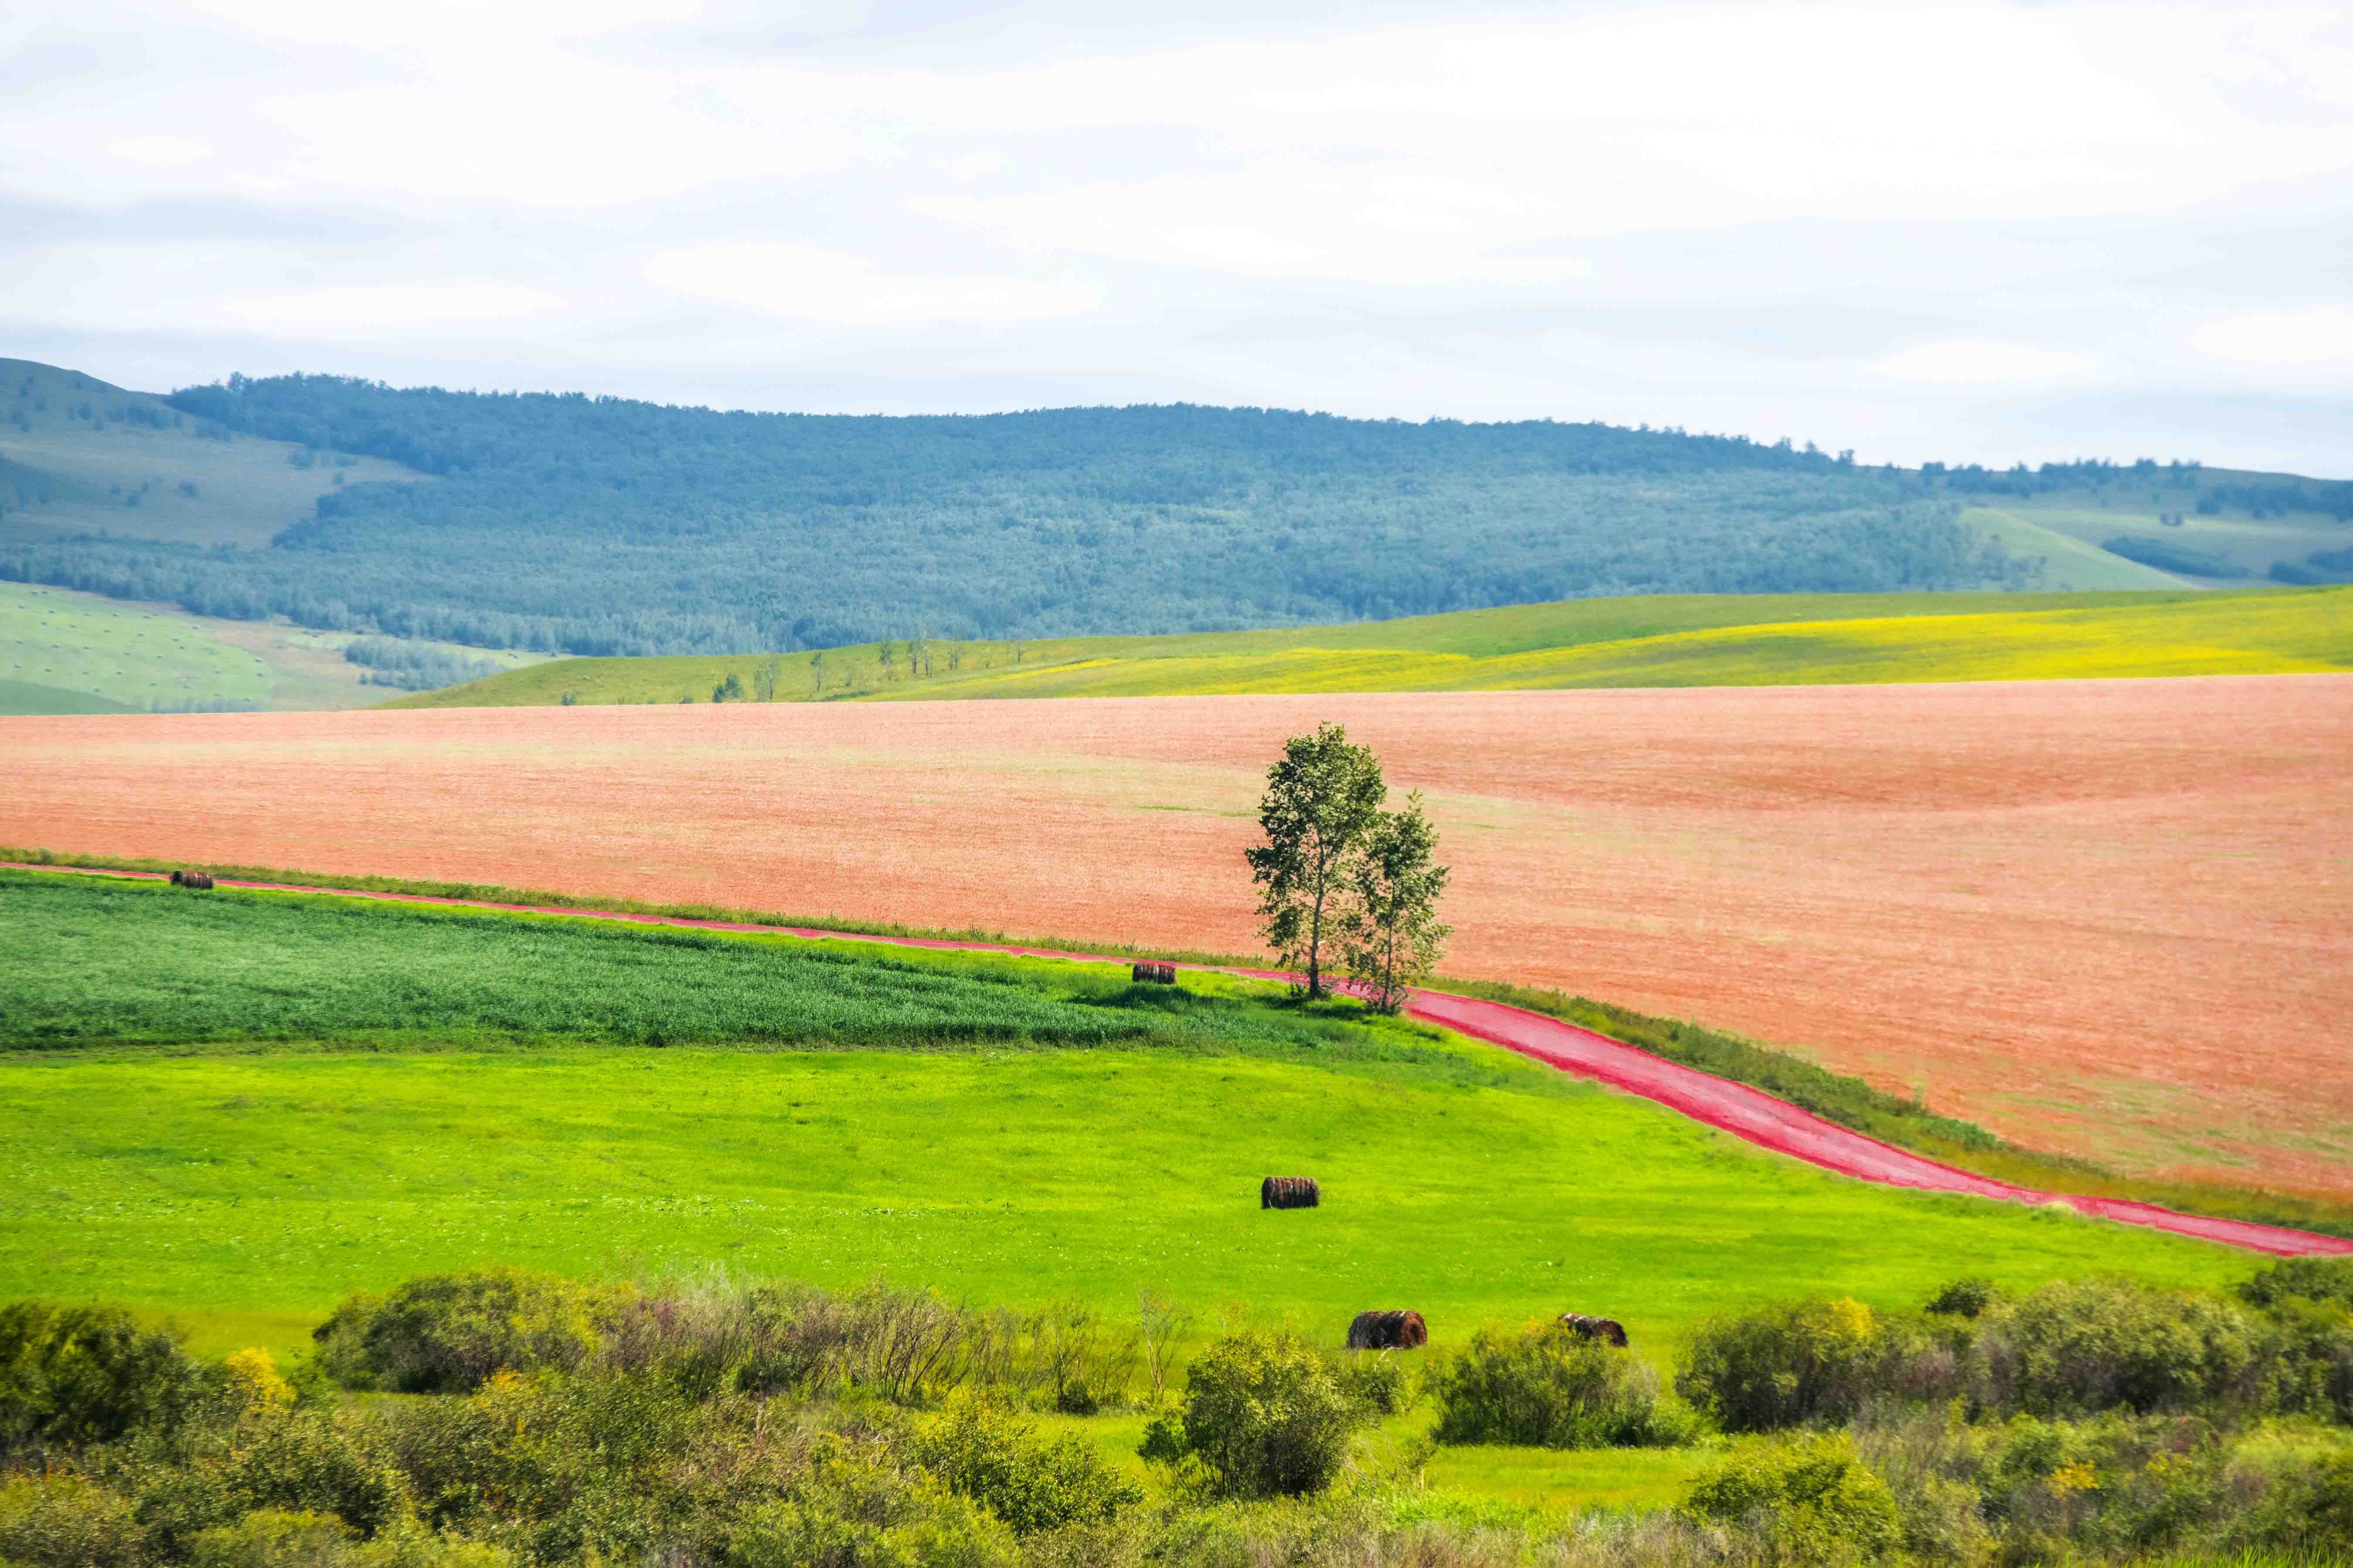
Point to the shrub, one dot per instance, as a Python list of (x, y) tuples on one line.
[(1550, 1387), (315, 1462), (1263, 1416), (1782, 1365), (1378, 1380), (72, 1375), (983, 1452), (447, 1333), (62, 1521), (2312, 1359), (850, 1509), (2085, 1346), (1965, 1298), (1804, 1502), (2308, 1513), (2301, 1278)]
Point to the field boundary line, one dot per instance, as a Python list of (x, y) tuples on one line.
[(1746, 1112)]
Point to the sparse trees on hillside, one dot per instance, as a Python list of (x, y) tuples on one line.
[(765, 676)]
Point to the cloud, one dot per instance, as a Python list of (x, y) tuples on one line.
[(800, 282), (2319, 336), (1872, 226), (1966, 363)]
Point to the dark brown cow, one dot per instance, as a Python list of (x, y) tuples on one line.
[(1289, 1192), (1390, 1331), (1609, 1331)]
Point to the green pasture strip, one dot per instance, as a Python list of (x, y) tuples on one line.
[(1460, 651), (191, 1185), (135, 967), (1836, 1097)]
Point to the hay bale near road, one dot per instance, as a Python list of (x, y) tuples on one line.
[(1289, 1192), (1609, 1331), (1388, 1331), (1153, 973), (196, 879)]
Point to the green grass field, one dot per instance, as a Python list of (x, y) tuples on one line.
[(86, 655), (322, 1118), (67, 652), (1721, 640)]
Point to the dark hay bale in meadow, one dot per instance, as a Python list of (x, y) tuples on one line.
[(196, 879), (1609, 1331), (1390, 1331), (1153, 973), (1289, 1192)]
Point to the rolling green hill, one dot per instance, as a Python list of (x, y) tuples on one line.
[(64, 652), (1750, 640), (80, 456)]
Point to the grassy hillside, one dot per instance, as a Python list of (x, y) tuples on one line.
[(80, 456), (1723, 640), (248, 1104), (64, 652)]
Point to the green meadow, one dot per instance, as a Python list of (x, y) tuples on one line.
[(235, 1108), (1690, 640)]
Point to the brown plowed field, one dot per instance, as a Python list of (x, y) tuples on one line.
[(2109, 917)]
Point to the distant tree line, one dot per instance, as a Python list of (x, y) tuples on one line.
[(602, 526)]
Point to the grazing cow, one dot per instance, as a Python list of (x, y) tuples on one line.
[(1390, 1331), (1609, 1331)]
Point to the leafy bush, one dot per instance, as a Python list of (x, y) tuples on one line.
[(1810, 1502), (983, 1452), (1550, 1387), (2307, 1514), (2301, 1278), (61, 1521), (2085, 1346), (1380, 1380), (72, 1375), (849, 1508), (447, 1333), (1783, 1365), (1263, 1416), (312, 1461), (1965, 1299)]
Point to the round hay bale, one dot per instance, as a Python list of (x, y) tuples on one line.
[(1609, 1331), (1392, 1330), (176, 879), (1152, 972), (1289, 1192)]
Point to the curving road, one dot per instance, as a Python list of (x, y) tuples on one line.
[(1735, 1108)]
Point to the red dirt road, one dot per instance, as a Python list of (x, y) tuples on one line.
[(1735, 1108), (2110, 918)]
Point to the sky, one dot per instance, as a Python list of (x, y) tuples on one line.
[(1969, 232)]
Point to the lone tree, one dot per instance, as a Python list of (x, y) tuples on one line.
[(1320, 800), (1390, 935)]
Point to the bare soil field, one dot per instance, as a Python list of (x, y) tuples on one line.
[(2112, 918)]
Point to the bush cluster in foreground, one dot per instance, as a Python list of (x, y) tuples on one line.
[(498, 1418)]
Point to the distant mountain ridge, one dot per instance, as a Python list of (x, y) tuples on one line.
[(606, 526)]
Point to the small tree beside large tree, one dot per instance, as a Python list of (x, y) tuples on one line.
[(1336, 869), (1391, 938)]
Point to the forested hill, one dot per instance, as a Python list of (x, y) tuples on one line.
[(599, 525)]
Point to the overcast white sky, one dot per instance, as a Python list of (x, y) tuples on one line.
[(1969, 231)]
